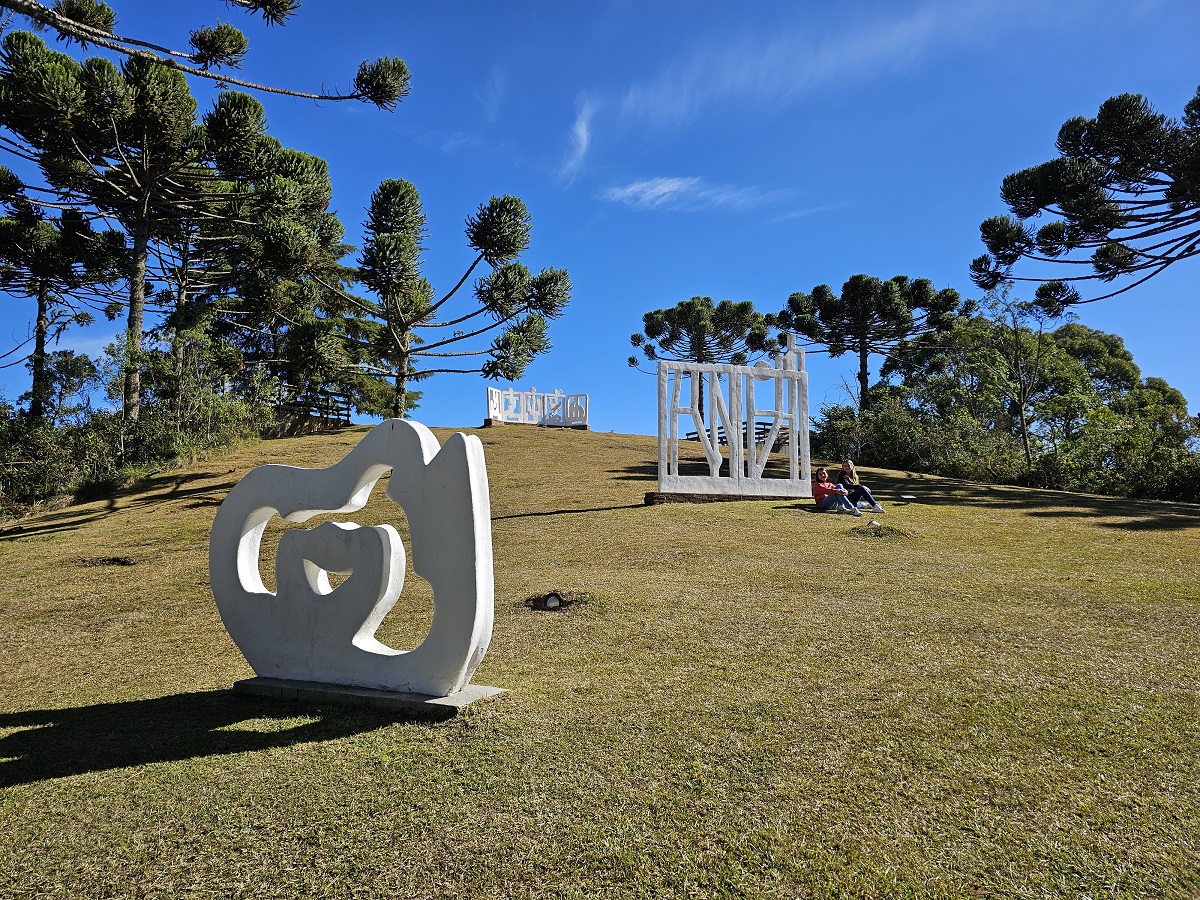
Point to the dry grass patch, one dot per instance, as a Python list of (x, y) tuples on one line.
[(999, 699)]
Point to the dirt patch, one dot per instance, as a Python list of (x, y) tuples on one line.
[(90, 562), (557, 601), (874, 529)]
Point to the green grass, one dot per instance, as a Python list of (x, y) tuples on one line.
[(994, 696)]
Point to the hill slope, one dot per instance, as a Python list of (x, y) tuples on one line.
[(998, 694)]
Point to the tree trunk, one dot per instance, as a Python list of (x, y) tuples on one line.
[(399, 396), (177, 357), (864, 377), (39, 394), (1025, 440), (177, 373), (132, 400)]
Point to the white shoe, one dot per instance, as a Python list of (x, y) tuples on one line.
[(877, 508), (858, 512)]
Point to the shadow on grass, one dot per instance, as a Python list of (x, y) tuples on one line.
[(145, 493), (55, 743), (567, 512), (777, 467), (1121, 512)]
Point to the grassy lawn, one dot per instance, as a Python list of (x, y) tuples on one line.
[(995, 697)]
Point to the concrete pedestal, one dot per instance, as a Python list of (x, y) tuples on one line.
[(394, 701)]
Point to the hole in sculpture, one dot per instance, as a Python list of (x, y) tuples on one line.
[(410, 619), (406, 626)]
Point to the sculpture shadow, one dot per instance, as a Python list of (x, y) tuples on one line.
[(55, 743)]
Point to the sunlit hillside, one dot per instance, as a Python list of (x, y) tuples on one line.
[(997, 695)]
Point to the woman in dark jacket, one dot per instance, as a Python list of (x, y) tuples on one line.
[(855, 490)]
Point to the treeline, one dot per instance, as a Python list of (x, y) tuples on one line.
[(216, 247), (995, 390), (1006, 398)]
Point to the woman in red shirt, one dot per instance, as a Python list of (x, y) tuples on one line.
[(830, 497)]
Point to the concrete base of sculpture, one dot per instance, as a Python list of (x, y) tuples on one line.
[(493, 423), (655, 498), (346, 695)]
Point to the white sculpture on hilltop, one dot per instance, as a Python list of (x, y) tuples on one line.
[(748, 431), (310, 631), (533, 408)]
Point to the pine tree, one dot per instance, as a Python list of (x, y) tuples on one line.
[(383, 82), (870, 317), (51, 260), (1122, 199), (697, 331), (407, 334)]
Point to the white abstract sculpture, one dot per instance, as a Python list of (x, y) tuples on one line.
[(312, 632), (533, 408), (749, 432)]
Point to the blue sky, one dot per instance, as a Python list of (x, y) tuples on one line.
[(667, 149)]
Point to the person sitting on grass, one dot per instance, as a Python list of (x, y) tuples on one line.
[(856, 492), (830, 497)]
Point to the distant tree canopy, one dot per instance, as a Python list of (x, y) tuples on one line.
[(383, 82), (1000, 398), (1123, 198), (696, 330), (870, 317)]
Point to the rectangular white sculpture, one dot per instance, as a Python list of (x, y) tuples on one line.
[(533, 408), (735, 420)]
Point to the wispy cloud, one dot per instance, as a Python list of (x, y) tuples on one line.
[(772, 70), (491, 94), (689, 194), (780, 69), (581, 139), (806, 211), (456, 141)]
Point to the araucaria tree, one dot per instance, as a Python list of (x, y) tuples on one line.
[(1123, 198), (870, 317), (210, 49), (221, 206), (697, 331), (52, 261), (407, 333), (207, 236), (124, 142)]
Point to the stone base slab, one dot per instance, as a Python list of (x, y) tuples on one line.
[(653, 498), (495, 423), (349, 695)]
